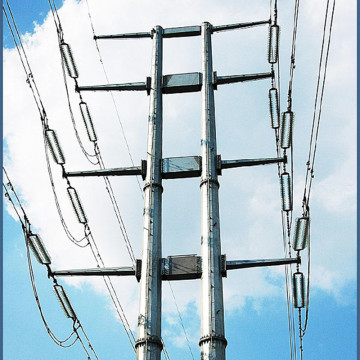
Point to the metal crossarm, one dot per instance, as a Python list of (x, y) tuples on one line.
[(125, 171), (177, 83), (183, 31), (239, 25), (119, 271), (220, 80)]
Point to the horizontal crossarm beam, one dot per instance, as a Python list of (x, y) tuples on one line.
[(177, 267), (239, 25), (138, 35), (227, 164), (183, 31), (177, 83), (124, 171), (135, 86), (229, 79), (119, 271), (241, 264)]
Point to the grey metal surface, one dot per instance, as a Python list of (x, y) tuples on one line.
[(181, 167), (212, 342), (181, 267), (180, 83), (229, 79), (182, 31), (125, 36), (227, 164), (239, 25), (118, 271), (242, 264), (133, 170), (134, 86), (148, 345)]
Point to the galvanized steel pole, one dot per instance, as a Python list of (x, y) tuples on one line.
[(149, 344), (212, 342)]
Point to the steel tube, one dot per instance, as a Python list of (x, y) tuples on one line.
[(149, 345), (118, 271), (212, 342), (228, 164), (239, 25), (125, 171), (242, 264), (124, 36), (135, 86), (229, 79)]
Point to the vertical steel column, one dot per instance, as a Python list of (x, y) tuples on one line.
[(212, 342), (149, 344)]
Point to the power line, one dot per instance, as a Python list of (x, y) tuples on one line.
[(87, 230), (327, 31), (111, 93), (286, 215), (318, 105), (27, 232), (181, 320), (97, 151)]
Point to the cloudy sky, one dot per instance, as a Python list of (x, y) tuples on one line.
[(255, 299)]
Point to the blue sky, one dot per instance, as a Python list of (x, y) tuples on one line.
[(256, 317)]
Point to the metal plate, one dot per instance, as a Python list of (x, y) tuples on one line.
[(181, 167)]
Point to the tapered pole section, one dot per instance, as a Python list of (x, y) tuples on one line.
[(149, 345), (212, 342)]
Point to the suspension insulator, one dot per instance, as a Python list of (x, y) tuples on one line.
[(286, 191), (274, 108), (301, 234), (69, 60), (55, 148), (74, 198), (37, 247), (64, 301), (286, 129), (88, 121), (273, 48), (298, 290)]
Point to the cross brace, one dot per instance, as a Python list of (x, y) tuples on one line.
[(182, 31), (177, 267), (177, 83), (176, 167)]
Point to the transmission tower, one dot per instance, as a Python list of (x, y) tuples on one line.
[(211, 266)]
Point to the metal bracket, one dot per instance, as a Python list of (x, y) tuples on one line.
[(223, 265), (181, 83), (138, 269), (181, 167), (181, 267)]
